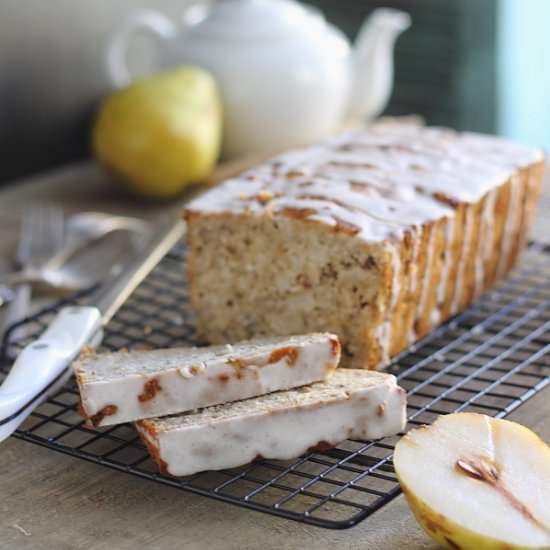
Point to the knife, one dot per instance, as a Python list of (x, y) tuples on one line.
[(43, 366)]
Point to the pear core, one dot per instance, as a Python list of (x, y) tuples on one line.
[(477, 482)]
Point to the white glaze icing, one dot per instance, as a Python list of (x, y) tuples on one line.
[(396, 275), (417, 242), (509, 225), (331, 214), (189, 381), (421, 306), (383, 332), (413, 282), (380, 179), (485, 244), (354, 404), (464, 252), (445, 268)]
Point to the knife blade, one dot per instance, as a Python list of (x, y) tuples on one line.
[(43, 366)]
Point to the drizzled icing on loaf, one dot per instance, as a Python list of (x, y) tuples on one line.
[(387, 182), (379, 181)]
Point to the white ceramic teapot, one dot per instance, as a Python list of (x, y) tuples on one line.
[(287, 77)]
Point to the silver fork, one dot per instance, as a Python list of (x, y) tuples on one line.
[(41, 236)]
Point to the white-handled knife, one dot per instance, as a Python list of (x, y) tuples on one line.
[(43, 366)]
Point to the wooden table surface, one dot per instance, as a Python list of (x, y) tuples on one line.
[(52, 501)]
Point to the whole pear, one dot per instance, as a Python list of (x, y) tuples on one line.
[(161, 133)]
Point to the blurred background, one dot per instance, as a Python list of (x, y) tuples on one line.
[(471, 64)]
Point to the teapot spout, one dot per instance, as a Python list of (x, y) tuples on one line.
[(372, 62)]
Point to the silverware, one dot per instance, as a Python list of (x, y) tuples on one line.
[(6, 295), (83, 230), (44, 365), (40, 238)]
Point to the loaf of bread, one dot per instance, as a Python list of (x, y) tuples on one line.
[(377, 235), (128, 385), (351, 404)]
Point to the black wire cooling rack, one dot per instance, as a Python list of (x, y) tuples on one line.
[(489, 359)]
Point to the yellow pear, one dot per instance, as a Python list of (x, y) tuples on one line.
[(475, 482), (161, 133)]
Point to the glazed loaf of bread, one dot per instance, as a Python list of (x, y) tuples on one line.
[(377, 235), (129, 385), (282, 425)]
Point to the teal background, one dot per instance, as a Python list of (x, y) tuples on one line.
[(523, 70)]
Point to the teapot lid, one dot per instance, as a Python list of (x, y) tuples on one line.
[(252, 19)]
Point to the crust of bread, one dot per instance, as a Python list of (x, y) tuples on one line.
[(419, 274)]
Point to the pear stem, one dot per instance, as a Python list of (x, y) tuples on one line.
[(483, 469)]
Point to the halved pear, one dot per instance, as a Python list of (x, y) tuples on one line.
[(477, 482)]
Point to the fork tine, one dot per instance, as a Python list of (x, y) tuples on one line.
[(37, 231), (47, 232), (58, 224), (41, 236), (25, 236)]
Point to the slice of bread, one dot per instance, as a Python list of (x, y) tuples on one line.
[(128, 385), (355, 404)]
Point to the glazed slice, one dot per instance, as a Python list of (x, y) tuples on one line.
[(127, 386), (354, 404)]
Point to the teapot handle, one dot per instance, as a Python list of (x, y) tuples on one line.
[(150, 21)]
